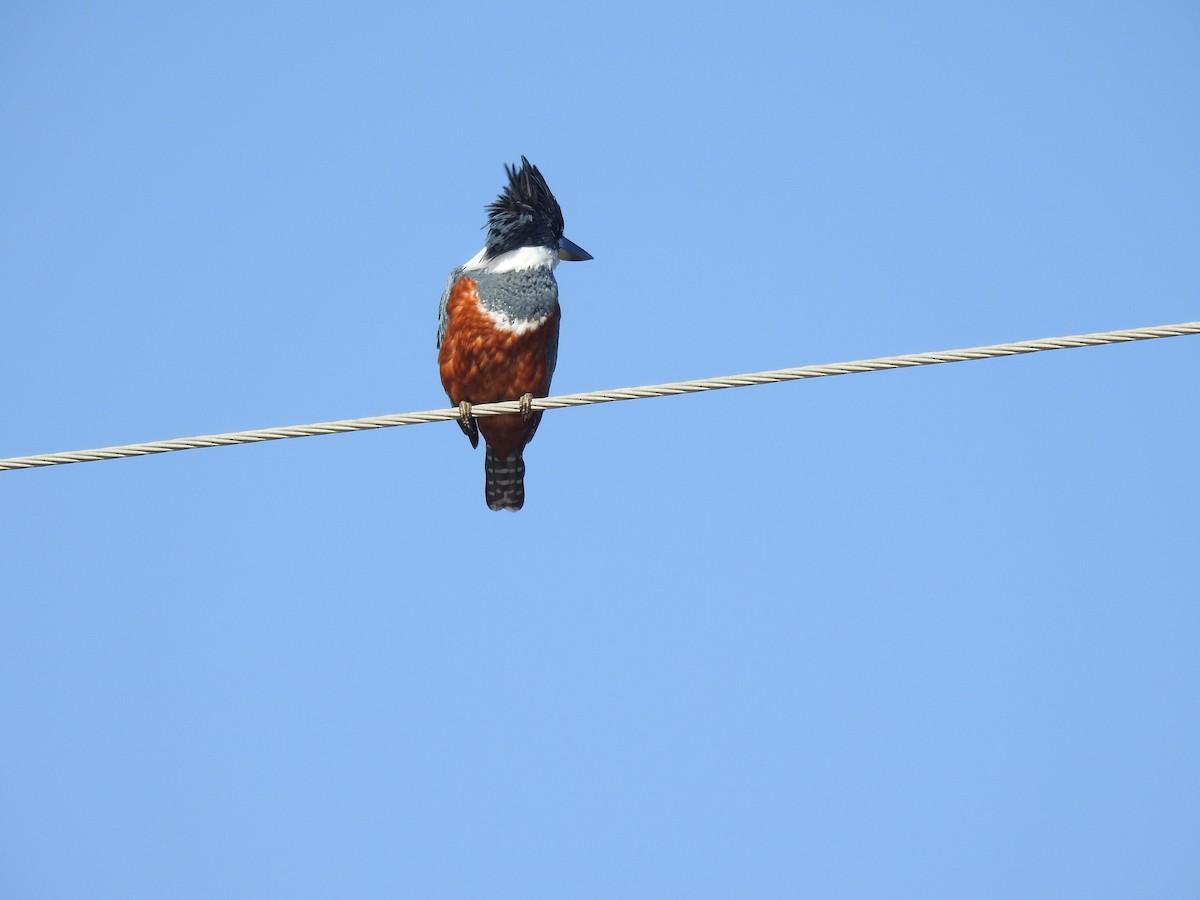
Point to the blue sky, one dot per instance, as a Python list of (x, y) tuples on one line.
[(929, 633)]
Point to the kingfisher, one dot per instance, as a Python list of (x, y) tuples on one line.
[(498, 326)]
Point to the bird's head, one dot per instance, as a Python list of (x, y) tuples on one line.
[(527, 215)]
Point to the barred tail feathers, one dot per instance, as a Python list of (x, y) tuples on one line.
[(504, 487)]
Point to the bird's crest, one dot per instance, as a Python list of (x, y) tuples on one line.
[(525, 214)]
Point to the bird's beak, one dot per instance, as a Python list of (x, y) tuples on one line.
[(571, 252)]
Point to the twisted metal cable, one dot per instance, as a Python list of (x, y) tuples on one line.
[(633, 393)]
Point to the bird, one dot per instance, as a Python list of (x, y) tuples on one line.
[(498, 326)]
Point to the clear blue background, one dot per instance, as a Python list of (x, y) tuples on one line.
[(928, 633)]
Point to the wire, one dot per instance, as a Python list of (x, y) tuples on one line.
[(635, 393)]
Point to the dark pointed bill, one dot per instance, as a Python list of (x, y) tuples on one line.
[(571, 252)]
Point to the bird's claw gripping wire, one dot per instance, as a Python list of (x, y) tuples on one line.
[(467, 423), (526, 406)]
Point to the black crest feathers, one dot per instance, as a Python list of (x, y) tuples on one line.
[(525, 214)]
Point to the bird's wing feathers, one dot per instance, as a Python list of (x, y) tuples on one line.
[(444, 307)]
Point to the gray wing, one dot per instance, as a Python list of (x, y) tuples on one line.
[(444, 307), (552, 352)]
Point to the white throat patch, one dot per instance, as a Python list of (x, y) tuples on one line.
[(513, 260)]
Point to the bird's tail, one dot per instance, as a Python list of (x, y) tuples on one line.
[(505, 484)]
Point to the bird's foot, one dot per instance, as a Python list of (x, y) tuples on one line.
[(468, 424), (526, 406)]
